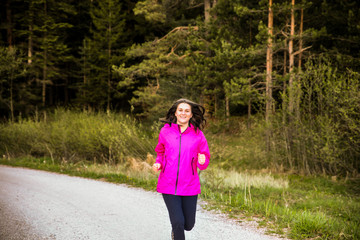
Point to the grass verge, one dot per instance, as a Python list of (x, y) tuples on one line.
[(293, 206)]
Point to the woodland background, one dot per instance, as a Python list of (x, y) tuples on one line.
[(285, 71)]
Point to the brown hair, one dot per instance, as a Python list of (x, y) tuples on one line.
[(198, 112)]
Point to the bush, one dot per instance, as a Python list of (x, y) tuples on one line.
[(322, 135), (77, 136)]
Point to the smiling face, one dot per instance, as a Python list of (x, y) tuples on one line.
[(183, 114)]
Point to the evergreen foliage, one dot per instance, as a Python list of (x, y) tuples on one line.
[(14, 91), (139, 56), (103, 50)]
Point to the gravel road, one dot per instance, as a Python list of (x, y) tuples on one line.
[(42, 205)]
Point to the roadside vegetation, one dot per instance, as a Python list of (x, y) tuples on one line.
[(243, 180)]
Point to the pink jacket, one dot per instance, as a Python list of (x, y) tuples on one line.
[(178, 155)]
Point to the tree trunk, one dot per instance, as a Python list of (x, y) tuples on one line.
[(44, 78), (30, 44), (216, 105), (45, 63), (109, 65), (249, 107), (207, 7), (213, 5), (9, 25), (11, 97), (269, 55), (108, 85), (84, 75), (297, 94), (51, 91), (285, 63), (30, 40), (284, 103), (249, 101), (301, 32), (291, 58), (227, 108), (291, 131)]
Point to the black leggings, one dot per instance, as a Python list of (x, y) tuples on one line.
[(182, 211)]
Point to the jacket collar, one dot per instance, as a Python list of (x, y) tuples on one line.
[(177, 127)]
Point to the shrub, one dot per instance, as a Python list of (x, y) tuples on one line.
[(77, 136)]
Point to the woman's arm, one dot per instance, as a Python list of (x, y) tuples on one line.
[(204, 153), (160, 150)]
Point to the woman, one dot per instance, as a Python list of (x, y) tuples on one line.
[(182, 148)]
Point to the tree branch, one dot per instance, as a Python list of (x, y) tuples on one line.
[(175, 30), (172, 51), (195, 6), (300, 51)]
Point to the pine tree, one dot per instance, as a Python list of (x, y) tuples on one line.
[(44, 25), (159, 78), (108, 21), (14, 91)]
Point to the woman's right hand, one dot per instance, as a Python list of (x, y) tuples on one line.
[(156, 167)]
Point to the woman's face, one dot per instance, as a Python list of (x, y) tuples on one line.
[(183, 114)]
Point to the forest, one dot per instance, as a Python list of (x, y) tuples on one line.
[(291, 67), (84, 83)]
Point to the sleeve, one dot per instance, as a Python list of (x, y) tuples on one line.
[(204, 149), (160, 149)]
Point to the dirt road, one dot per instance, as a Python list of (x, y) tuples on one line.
[(41, 205)]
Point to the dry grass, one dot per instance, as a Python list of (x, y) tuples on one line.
[(133, 168), (232, 179)]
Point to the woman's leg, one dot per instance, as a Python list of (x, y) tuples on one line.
[(174, 206), (189, 210), (182, 211)]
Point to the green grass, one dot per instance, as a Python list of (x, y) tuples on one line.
[(241, 180), (299, 208), (77, 136), (310, 207)]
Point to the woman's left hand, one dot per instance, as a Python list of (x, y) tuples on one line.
[(201, 158)]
